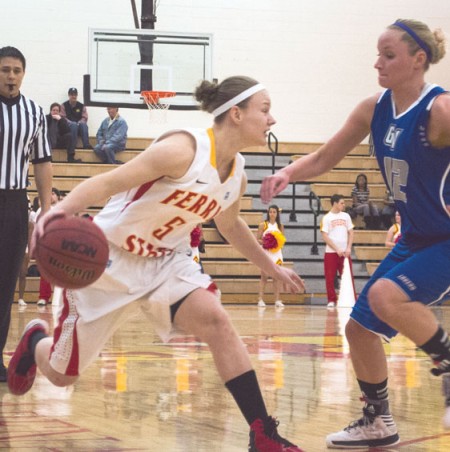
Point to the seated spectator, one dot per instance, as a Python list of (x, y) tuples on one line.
[(111, 136), (388, 212), (76, 114), (362, 204), (395, 232), (35, 207), (58, 132)]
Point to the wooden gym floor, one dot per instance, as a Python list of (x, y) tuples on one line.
[(141, 395)]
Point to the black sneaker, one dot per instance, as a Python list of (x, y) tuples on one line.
[(74, 160), (264, 437)]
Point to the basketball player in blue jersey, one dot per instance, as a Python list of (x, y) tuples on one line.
[(409, 123), (186, 177)]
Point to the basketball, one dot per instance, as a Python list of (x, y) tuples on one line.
[(72, 253)]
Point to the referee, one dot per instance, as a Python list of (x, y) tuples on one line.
[(23, 137)]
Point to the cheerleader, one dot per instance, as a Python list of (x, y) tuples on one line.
[(395, 231), (271, 237)]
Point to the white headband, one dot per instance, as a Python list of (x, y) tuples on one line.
[(237, 99)]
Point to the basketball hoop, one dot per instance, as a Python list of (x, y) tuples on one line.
[(158, 103)]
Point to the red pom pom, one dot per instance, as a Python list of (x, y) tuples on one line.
[(269, 241)]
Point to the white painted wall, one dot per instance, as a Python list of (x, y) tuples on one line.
[(315, 56)]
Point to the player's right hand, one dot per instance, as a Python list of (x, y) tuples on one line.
[(272, 185), (291, 282), (41, 222)]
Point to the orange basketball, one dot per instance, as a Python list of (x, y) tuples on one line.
[(72, 253)]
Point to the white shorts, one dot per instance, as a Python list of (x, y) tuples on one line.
[(131, 284)]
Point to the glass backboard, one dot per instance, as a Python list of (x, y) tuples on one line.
[(122, 63)]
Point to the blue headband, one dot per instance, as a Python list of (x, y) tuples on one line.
[(416, 38)]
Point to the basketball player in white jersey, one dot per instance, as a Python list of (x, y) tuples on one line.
[(184, 178)]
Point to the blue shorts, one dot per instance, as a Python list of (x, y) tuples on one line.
[(423, 275)]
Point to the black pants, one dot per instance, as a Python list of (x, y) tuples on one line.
[(64, 142), (13, 242)]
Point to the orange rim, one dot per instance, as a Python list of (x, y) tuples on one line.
[(153, 97)]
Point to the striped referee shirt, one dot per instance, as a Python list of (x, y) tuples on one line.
[(23, 138)]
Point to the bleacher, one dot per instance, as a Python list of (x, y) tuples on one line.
[(368, 244), (234, 275), (238, 279)]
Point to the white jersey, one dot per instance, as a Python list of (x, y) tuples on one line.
[(157, 217), (336, 225)]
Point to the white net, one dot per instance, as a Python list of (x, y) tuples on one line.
[(158, 103)]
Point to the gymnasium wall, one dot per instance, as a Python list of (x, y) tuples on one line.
[(315, 57)]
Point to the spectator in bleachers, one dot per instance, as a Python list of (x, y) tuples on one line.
[(77, 116), (58, 131), (362, 205), (111, 136), (34, 209), (395, 232)]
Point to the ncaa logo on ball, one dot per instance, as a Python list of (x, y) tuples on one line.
[(79, 248)]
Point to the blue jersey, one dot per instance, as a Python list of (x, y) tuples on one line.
[(416, 173)]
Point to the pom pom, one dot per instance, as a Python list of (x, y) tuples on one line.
[(269, 241), (273, 241)]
